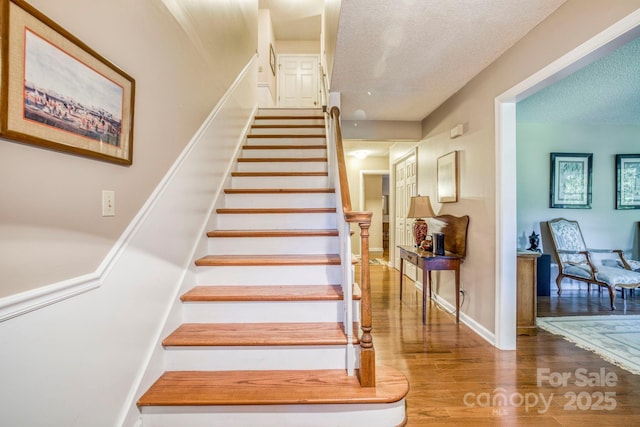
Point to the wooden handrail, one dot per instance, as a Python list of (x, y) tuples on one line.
[(367, 372)]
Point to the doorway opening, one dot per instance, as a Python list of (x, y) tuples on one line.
[(506, 197)]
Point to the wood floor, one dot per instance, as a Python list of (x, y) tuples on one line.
[(455, 376)]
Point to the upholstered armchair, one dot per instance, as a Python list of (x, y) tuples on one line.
[(575, 261)]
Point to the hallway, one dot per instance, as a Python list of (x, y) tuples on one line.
[(451, 369)]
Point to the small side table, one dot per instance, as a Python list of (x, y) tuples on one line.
[(526, 306)]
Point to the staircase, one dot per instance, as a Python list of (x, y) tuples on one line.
[(263, 341)]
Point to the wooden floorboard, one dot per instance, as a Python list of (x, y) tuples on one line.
[(449, 367), (189, 388)]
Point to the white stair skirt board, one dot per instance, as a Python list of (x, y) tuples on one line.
[(276, 166), (263, 358), (273, 245), (269, 275), (281, 200), (370, 415), (263, 311), (276, 221), (250, 182), (320, 140), (282, 152)]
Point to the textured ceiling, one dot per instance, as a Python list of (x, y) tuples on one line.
[(400, 60), (605, 91)]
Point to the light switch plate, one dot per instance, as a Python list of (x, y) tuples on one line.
[(108, 203)]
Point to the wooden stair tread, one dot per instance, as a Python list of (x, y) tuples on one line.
[(285, 147), (203, 388), (290, 117), (274, 210), (272, 233), (264, 293), (279, 173), (278, 190), (258, 334), (266, 260), (281, 159), (284, 136), (293, 126)]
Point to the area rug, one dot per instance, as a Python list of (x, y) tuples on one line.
[(374, 261), (614, 338)]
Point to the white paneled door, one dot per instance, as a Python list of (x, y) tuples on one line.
[(406, 187), (298, 81)]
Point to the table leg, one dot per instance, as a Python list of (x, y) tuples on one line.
[(401, 275), (426, 284), (458, 293)]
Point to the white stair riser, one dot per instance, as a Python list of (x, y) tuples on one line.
[(296, 122), (255, 357), (279, 221), (293, 153), (282, 166), (288, 131), (273, 245), (283, 200), (244, 182), (269, 275), (263, 311), (286, 141), (370, 415), (317, 112)]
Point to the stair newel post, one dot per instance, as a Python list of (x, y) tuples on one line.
[(367, 351)]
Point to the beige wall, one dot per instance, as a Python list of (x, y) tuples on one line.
[(354, 168), (183, 56), (571, 25)]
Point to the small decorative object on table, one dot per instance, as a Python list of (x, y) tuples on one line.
[(427, 244), (420, 208), (438, 243), (534, 241)]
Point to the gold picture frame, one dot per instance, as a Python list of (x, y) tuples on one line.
[(447, 167), (60, 94), (272, 59)]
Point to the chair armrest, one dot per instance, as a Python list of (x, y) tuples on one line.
[(602, 251), (587, 255)]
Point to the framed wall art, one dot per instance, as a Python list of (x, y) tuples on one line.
[(60, 94), (447, 167), (272, 59), (627, 181), (571, 180)]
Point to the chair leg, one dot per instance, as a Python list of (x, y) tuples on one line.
[(612, 296), (558, 284)]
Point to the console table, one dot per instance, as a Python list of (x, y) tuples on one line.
[(428, 262), (455, 244)]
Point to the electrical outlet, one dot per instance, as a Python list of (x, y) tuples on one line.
[(108, 203)]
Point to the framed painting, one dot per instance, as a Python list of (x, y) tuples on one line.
[(60, 94), (447, 168), (627, 181), (571, 180), (272, 59)]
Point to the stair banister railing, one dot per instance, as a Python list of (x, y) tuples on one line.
[(366, 373)]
